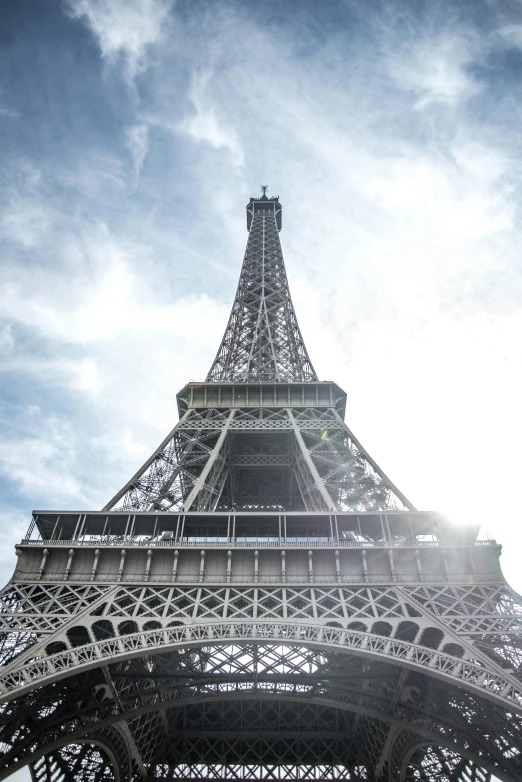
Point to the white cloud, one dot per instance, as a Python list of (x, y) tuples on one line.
[(116, 303), (9, 113), (13, 527), (39, 459), (6, 339), (137, 141), (125, 28), (86, 377), (436, 68), (112, 330), (206, 126), (512, 34), (25, 222), (97, 175)]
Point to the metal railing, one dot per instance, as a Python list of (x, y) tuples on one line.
[(143, 542)]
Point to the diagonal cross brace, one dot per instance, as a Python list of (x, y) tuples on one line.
[(200, 482)]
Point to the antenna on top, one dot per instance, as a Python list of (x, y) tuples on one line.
[(264, 188)]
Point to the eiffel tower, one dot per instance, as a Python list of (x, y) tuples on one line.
[(260, 602)]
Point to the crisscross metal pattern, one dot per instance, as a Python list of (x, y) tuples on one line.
[(262, 340)]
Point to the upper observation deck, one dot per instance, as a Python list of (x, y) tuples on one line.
[(264, 206)]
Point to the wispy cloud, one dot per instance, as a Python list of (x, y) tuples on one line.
[(204, 124), (125, 29), (9, 113), (137, 142), (40, 457), (13, 528), (6, 339), (437, 69), (25, 222)]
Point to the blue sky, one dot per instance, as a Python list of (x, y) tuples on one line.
[(133, 132)]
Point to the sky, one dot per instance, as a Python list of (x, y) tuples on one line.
[(132, 135)]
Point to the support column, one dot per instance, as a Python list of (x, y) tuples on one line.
[(69, 564), (365, 565), (95, 564), (392, 565), (135, 478), (45, 554), (147, 567), (337, 567), (419, 564), (122, 564)]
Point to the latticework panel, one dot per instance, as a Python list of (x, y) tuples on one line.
[(490, 616), (85, 762), (438, 764), (353, 481), (439, 617), (252, 772), (202, 465), (262, 340), (177, 469)]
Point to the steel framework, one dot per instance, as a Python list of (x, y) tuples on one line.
[(259, 602)]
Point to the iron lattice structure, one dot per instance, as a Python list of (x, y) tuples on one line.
[(260, 602)]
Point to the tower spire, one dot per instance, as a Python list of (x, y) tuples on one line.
[(262, 340)]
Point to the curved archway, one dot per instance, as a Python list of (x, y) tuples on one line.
[(128, 627), (103, 628), (78, 636), (431, 637), (54, 647), (499, 687), (454, 649), (407, 631), (382, 628), (152, 624)]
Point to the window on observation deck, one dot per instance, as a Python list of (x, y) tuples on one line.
[(257, 530), (316, 530)]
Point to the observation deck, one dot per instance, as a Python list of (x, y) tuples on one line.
[(258, 393), (250, 548), (263, 206)]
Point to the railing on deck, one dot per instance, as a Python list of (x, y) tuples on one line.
[(126, 542)]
